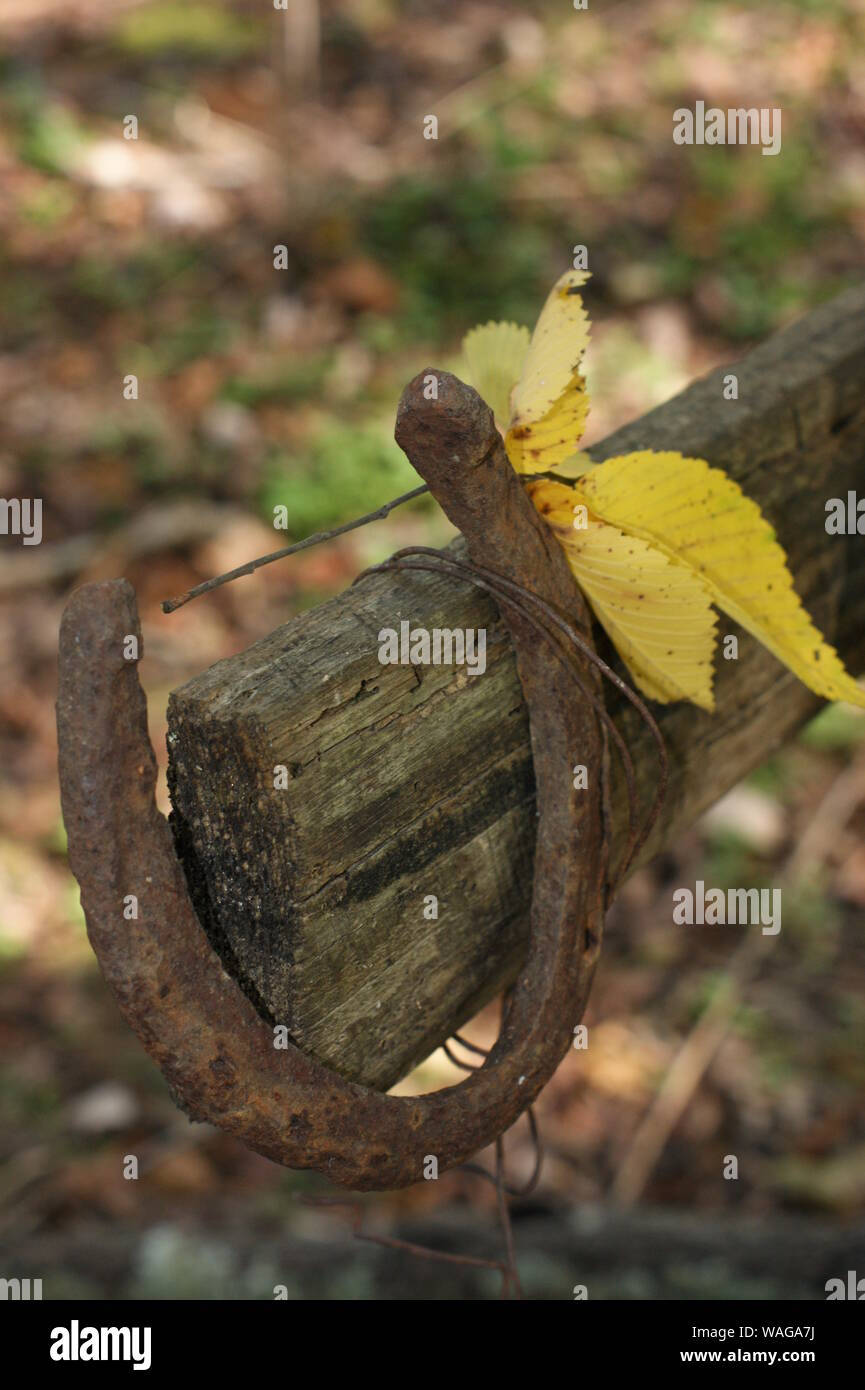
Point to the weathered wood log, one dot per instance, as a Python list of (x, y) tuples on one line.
[(407, 783)]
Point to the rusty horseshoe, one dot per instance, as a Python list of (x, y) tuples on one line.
[(216, 1052)]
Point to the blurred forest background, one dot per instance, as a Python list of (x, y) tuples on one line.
[(260, 386)]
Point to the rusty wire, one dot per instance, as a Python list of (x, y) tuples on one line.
[(469, 1046), (457, 1061), (424, 1252)]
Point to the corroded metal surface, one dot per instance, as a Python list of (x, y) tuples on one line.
[(216, 1052)]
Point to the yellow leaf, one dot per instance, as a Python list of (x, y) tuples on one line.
[(665, 536), (575, 466), (559, 340), (495, 353), (700, 517), (656, 612), (549, 404)]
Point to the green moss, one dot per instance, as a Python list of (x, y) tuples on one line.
[(285, 384), (835, 729), (134, 282), (346, 471), (49, 138), (459, 252), (200, 31), (48, 206)]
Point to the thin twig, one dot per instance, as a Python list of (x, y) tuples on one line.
[(172, 604), (512, 1278), (394, 1243), (302, 45), (684, 1075), (427, 1252), (828, 821)]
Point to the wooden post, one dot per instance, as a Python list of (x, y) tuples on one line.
[(379, 897)]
